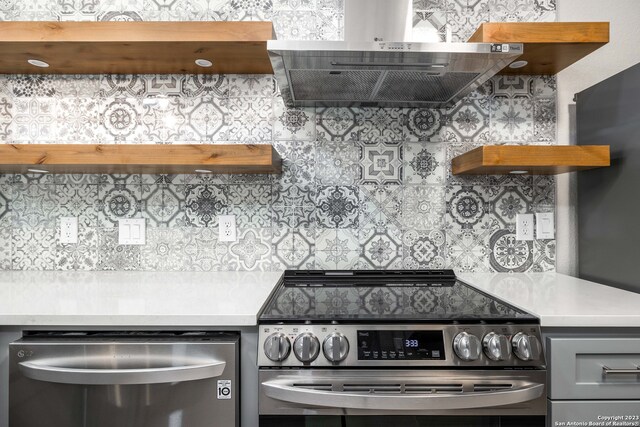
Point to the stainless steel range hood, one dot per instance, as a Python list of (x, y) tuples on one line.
[(380, 63)]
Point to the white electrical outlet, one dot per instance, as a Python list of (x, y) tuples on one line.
[(69, 229), (544, 226), (524, 227), (227, 224), (131, 231)]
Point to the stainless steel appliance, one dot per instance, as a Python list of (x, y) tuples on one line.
[(384, 62), (141, 379), (411, 348)]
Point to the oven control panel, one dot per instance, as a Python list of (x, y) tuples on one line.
[(336, 345)]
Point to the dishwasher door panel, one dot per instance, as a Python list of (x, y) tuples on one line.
[(128, 383)]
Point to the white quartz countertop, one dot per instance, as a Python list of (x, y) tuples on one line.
[(560, 300), (133, 298)]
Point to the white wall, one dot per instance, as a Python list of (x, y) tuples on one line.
[(622, 52)]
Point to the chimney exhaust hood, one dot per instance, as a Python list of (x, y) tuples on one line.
[(383, 62)]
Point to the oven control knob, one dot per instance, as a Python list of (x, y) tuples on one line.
[(496, 346), (526, 347), (306, 347), (277, 347), (335, 347), (466, 346)]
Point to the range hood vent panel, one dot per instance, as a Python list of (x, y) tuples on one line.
[(433, 75)]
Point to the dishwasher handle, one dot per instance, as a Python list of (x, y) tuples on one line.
[(187, 370)]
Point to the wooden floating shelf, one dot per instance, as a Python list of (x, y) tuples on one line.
[(549, 47), (135, 47), (152, 159), (537, 160)]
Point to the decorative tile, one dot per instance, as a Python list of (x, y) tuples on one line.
[(81, 118), (468, 250), (424, 163), (298, 163), (381, 164), (511, 119), (112, 256), (381, 125), (544, 256), (118, 201), (81, 256), (295, 25), (205, 118), (6, 118), (252, 251), (337, 123), (294, 248), (34, 120), (544, 86), (293, 216), (424, 249), (423, 206), (337, 249), (122, 85), (330, 24), (197, 85), (164, 205), (337, 207), (204, 250), (251, 204), (293, 123), (424, 124), (509, 254), (544, 197), (381, 206), (77, 10), (249, 120), (34, 248), (381, 249), (165, 250), (522, 10), (513, 85), (34, 206), (468, 121), (78, 201), (465, 16), (337, 163), (252, 85), (121, 120), (429, 25), (294, 4), (32, 85), (545, 117), (8, 10), (467, 206), (75, 85), (6, 194), (203, 204), (5, 248), (511, 201)]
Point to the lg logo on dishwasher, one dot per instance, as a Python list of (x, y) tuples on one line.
[(224, 389)]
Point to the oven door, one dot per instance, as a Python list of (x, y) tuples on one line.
[(359, 398)]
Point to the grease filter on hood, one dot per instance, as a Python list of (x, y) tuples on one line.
[(373, 68)]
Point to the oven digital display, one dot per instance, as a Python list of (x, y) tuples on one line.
[(400, 345)]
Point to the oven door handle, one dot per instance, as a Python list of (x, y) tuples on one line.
[(57, 370), (283, 391)]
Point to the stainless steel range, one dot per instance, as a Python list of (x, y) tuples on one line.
[(411, 348)]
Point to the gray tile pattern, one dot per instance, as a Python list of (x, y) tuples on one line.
[(360, 188)]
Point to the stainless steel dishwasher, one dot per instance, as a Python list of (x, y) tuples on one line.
[(124, 379)]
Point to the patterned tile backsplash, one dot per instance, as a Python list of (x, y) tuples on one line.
[(360, 188)]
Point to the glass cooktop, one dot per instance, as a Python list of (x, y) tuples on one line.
[(432, 296)]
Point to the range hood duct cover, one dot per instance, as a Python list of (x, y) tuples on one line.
[(383, 62)]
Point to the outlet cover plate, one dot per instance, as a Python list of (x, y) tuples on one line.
[(524, 227), (131, 231), (227, 228), (69, 230)]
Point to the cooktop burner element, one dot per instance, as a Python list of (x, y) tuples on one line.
[(383, 297)]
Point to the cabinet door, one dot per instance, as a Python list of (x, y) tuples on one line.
[(594, 368)]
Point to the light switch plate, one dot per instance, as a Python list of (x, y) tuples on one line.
[(545, 227), (131, 231), (524, 227), (69, 230)]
